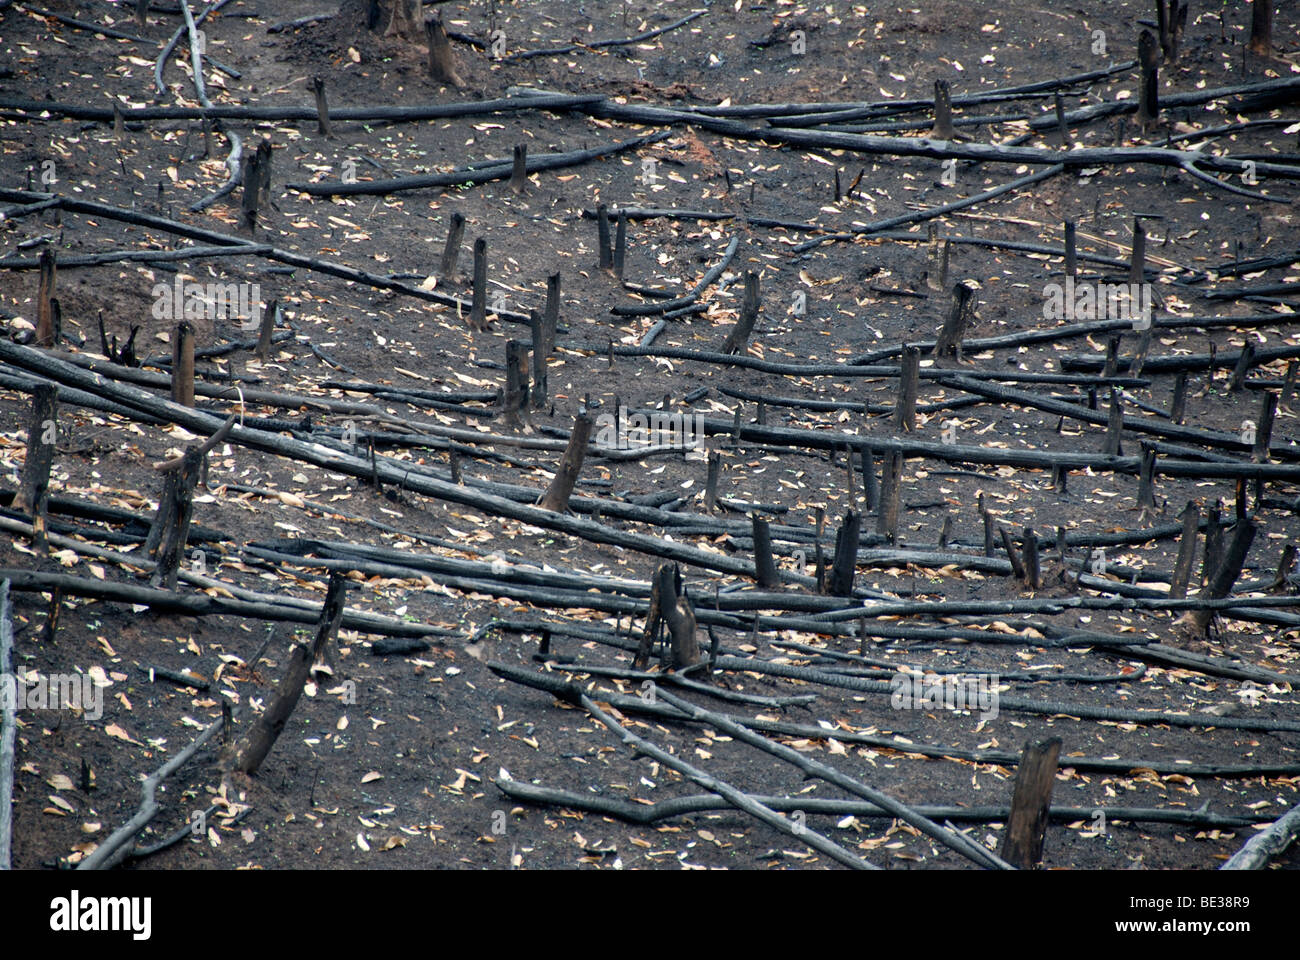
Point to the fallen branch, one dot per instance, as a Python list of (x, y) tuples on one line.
[(813, 768), (1263, 847), (1013, 703), (1069, 330), (601, 44), (148, 256), (1208, 438), (117, 846), (499, 171), (170, 45), (932, 213), (300, 22), (1163, 766), (962, 453), (849, 370), (738, 799), (677, 303), (646, 814), (297, 611), (1190, 362), (275, 253), (374, 114), (234, 167), (83, 25), (8, 729), (388, 471)]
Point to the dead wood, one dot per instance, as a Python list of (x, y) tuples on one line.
[(251, 749), (1261, 27), (739, 334), (739, 800), (117, 846), (602, 44), (42, 438), (1022, 843), (678, 303), (443, 65), (502, 170), (405, 20), (46, 304), (557, 495), (1263, 847), (8, 730), (646, 814), (814, 768), (1227, 569)]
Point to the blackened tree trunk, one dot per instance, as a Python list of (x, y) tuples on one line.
[(557, 495), (1261, 27)]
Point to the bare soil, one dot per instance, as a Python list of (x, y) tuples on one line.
[(404, 777)]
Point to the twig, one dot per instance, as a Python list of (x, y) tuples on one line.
[(83, 25), (497, 171), (600, 44), (203, 448), (117, 846), (664, 306), (300, 22), (932, 213)]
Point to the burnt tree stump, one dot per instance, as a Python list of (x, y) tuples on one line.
[(845, 564), (890, 493), (1149, 81), (943, 129), (46, 305), (1022, 844), (34, 484), (322, 107), (1261, 27), (267, 330), (551, 313), (739, 334), (538, 393), (451, 250), (515, 396), (908, 387), (519, 172), (443, 67), (953, 330), (764, 565), (1191, 518), (605, 254), (1196, 622), (183, 364), (557, 495), (620, 245), (478, 304)]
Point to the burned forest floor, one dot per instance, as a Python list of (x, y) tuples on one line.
[(407, 463)]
